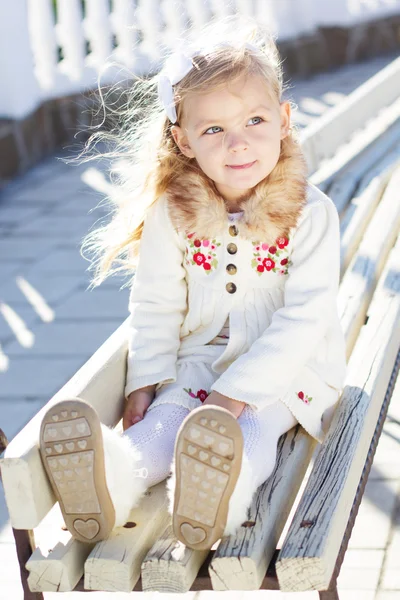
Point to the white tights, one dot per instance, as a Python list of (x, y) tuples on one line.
[(155, 436), (261, 432)]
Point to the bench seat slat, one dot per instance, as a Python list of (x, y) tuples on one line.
[(360, 210), (344, 186), (360, 279), (56, 564), (322, 139), (114, 564), (310, 550), (241, 561), (353, 146), (170, 566)]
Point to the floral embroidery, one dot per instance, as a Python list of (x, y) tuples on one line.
[(201, 394), (202, 253), (306, 399), (271, 258), (282, 242)]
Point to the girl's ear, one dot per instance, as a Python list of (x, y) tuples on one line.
[(285, 119), (181, 141)]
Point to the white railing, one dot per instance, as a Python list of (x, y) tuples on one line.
[(63, 52)]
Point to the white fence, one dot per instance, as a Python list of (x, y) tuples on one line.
[(51, 49)]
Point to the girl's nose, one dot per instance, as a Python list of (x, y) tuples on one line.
[(236, 143)]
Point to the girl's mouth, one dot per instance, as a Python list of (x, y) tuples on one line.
[(245, 166)]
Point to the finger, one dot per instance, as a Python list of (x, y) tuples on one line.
[(127, 418)]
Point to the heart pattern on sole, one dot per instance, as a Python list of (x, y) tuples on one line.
[(193, 535), (88, 529)]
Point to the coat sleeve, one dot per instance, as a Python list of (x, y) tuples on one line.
[(264, 373), (158, 303)]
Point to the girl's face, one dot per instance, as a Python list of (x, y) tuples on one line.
[(234, 134)]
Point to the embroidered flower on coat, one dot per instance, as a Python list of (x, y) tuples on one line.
[(282, 242), (201, 253), (306, 399), (271, 258), (201, 394)]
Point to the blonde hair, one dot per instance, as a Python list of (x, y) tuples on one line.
[(147, 157)]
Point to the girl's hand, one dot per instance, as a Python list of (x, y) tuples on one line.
[(137, 404), (234, 406)]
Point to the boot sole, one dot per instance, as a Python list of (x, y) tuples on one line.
[(208, 459), (71, 447)]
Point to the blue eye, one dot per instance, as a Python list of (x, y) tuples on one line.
[(211, 130), (257, 119)]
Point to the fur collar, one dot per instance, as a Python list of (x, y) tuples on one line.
[(270, 210)]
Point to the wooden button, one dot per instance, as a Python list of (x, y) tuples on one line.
[(233, 230), (231, 287), (232, 269), (232, 248)]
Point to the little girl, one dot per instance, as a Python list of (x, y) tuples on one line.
[(234, 334)]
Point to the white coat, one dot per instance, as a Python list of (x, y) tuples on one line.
[(276, 279)]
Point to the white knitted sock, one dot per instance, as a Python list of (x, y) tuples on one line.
[(261, 432), (154, 437)]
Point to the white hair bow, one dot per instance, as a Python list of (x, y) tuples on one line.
[(176, 67)]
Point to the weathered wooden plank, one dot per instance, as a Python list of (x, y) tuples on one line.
[(346, 184), (114, 564), (309, 552), (170, 566), (364, 202), (356, 144), (321, 140), (240, 562), (100, 381), (359, 282), (60, 568)]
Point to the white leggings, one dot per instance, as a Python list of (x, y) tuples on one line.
[(155, 436)]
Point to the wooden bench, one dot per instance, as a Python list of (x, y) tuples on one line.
[(144, 555)]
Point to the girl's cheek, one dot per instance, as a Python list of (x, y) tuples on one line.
[(203, 143), (210, 145), (264, 133)]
